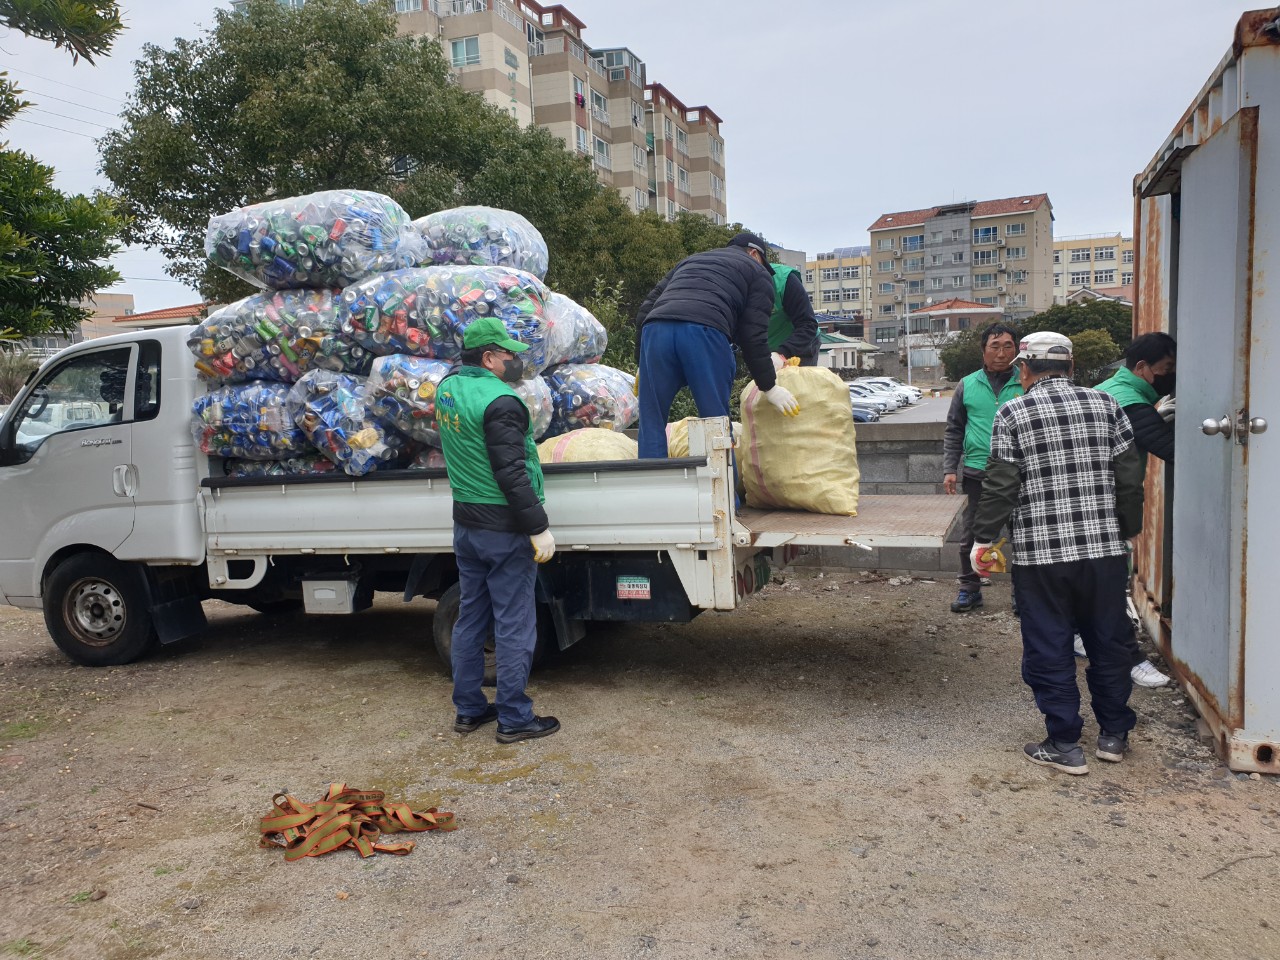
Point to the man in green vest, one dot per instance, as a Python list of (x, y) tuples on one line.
[(500, 530), (966, 444), (793, 329)]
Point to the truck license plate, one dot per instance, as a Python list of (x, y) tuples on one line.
[(633, 588)]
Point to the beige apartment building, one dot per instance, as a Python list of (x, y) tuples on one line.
[(531, 61), (996, 253), (839, 284), (1099, 261)]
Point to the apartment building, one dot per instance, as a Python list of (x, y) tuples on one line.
[(995, 253), (839, 284), (1098, 261), (531, 61)]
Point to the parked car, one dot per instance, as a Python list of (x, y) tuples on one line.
[(885, 401), (864, 415), (899, 397), (913, 391)]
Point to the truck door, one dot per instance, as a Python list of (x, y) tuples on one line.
[(66, 480)]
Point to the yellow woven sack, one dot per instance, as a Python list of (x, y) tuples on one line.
[(678, 437), (807, 462), (587, 444)]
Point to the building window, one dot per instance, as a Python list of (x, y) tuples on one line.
[(957, 281), (666, 128), (885, 288), (671, 170), (1126, 279), (600, 107), (1104, 278), (886, 334), (582, 139), (602, 153), (850, 273), (913, 243), (935, 283), (671, 209), (465, 51), (830, 273), (852, 294), (682, 179), (1015, 229), (988, 301), (639, 158), (984, 257), (1017, 300), (1126, 256), (983, 235), (1104, 253), (408, 6), (1057, 279), (642, 199), (884, 266), (1019, 276), (637, 115), (982, 281), (717, 187), (915, 286), (957, 257), (830, 296), (935, 260), (884, 243), (913, 264), (717, 150), (1057, 256), (1079, 278), (1080, 255), (886, 309), (1015, 253), (682, 142), (808, 276)]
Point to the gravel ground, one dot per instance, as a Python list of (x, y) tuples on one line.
[(832, 771)]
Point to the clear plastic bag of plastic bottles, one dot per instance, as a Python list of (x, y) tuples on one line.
[(329, 408), (483, 236), (428, 458), (424, 312), (306, 465), (321, 240), (248, 421), (591, 395), (536, 394), (573, 334), (277, 335), (401, 393)]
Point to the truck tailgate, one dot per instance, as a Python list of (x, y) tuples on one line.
[(883, 521)]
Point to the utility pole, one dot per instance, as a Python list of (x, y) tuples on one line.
[(906, 325)]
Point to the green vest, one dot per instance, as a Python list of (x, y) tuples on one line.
[(1128, 388), (461, 402), (981, 404), (780, 325)]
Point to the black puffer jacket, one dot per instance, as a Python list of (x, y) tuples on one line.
[(724, 289), (1150, 432)]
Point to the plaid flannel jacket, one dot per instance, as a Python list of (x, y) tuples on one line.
[(1064, 440)]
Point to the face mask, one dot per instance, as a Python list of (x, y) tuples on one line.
[(1164, 383), (512, 370)]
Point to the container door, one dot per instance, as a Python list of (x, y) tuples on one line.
[(1210, 489)]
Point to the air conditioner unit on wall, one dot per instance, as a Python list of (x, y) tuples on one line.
[(1000, 288), (897, 276), (897, 254), (1000, 242), (1001, 267), (897, 298)]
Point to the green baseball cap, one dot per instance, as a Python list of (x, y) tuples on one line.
[(491, 332)]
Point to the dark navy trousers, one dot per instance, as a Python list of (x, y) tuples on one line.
[(674, 354), (1057, 600), (496, 573)]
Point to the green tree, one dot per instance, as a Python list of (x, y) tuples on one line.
[(53, 247), (1093, 350), (963, 353), (1072, 318), (15, 366)]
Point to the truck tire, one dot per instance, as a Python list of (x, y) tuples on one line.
[(97, 610), (442, 632)]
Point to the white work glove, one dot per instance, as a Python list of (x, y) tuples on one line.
[(976, 559), (779, 361), (544, 546), (781, 398), (1165, 408)]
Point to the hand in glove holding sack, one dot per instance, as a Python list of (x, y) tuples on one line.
[(1165, 408), (779, 361), (986, 558), (544, 546), (783, 400)]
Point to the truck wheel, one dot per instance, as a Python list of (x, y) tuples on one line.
[(275, 608), (442, 632), (97, 611)]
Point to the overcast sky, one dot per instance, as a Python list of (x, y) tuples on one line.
[(834, 112)]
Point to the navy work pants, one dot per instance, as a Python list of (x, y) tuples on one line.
[(1056, 601), (496, 573), (674, 354)]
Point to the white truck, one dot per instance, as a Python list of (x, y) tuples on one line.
[(116, 527)]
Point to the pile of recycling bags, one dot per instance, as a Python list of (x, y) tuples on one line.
[(335, 364)]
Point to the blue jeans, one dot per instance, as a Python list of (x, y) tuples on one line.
[(496, 573), (1056, 600), (674, 354)]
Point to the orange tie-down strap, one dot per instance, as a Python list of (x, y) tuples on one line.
[(345, 817)]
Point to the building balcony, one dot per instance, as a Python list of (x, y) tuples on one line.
[(600, 114)]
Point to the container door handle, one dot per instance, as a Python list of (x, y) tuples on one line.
[(124, 480), (1257, 425), (1223, 427)]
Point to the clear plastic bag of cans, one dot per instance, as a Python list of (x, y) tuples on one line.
[(277, 335), (424, 312), (536, 394), (306, 465), (401, 393), (329, 408), (573, 334), (483, 236), (321, 240), (428, 458), (591, 395), (248, 421)]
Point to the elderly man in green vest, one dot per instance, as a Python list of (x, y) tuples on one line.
[(966, 444), (500, 530), (793, 329)]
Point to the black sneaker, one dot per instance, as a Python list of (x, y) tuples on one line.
[(472, 724), (1066, 757), (537, 727), (1112, 746), (967, 600)]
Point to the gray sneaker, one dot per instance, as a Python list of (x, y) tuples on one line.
[(1111, 746), (1065, 757)]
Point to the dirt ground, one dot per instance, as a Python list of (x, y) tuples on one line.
[(832, 771)]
